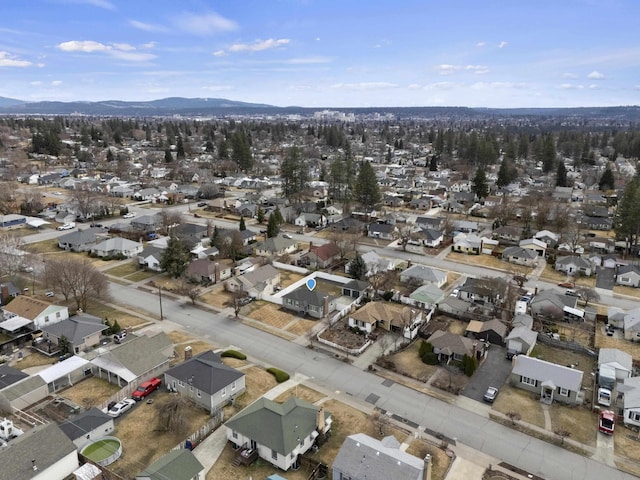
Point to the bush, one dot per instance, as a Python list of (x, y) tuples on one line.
[(234, 354), (386, 296), (278, 374), (425, 347), (430, 358), (468, 365)]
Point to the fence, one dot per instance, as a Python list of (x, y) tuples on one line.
[(576, 347), (204, 431), (291, 268), (350, 351), (127, 390)]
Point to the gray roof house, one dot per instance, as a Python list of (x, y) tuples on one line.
[(310, 302), (180, 464), (276, 246), (147, 223), (628, 275), (279, 431), (574, 265), (364, 457), (44, 447), (150, 258), (521, 340), (449, 346), (551, 304), (260, 281), (79, 241), (206, 380), (427, 296), (138, 357), (520, 256), (23, 393), (616, 358), (551, 381), (87, 427), (82, 331), (631, 401), (10, 375), (424, 275), (117, 246)]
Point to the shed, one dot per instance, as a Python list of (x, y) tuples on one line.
[(65, 373)]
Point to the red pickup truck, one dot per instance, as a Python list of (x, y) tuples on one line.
[(145, 389)]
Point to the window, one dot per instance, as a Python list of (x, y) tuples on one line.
[(625, 280), (635, 416), (46, 319), (198, 394), (233, 386), (274, 455), (223, 392), (528, 381), (57, 314), (234, 434), (563, 391)]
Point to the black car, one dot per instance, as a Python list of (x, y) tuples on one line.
[(202, 204)]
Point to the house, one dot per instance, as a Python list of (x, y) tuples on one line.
[(548, 237), (23, 393), (310, 220), (631, 401), (180, 464), (430, 237), (454, 306), (597, 223), (309, 302), (10, 375), (549, 380), (574, 265), (81, 240), (421, 275), (550, 304), (620, 361), (276, 247), (375, 263), (38, 311), (137, 358), (508, 233), (520, 256), (8, 291), (260, 281), (87, 427), (12, 221), (610, 261), (354, 288), (150, 258), (389, 316), (427, 296), (321, 256), (190, 230), (205, 271), (468, 243), (384, 231), (147, 223), (117, 246), (534, 244), (279, 432), (43, 452), (448, 346), (477, 290), (362, 457), (628, 275), (206, 380), (435, 223), (521, 340), (631, 325), (492, 331), (82, 331)]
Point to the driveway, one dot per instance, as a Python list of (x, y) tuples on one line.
[(493, 372), (605, 278)]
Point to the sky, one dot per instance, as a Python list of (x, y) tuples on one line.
[(325, 53)]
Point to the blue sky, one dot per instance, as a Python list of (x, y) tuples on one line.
[(325, 53)]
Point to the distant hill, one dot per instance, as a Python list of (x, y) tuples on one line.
[(221, 106)]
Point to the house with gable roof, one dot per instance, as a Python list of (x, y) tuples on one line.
[(549, 380), (574, 265), (321, 256), (206, 380), (180, 464), (38, 311), (82, 331), (279, 432), (309, 302), (389, 316), (117, 246), (150, 257), (448, 346), (80, 240), (87, 427), (628, 275)]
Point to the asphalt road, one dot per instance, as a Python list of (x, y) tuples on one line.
[(532, 455)]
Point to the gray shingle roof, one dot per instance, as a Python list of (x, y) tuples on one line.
[(76, 328), (544, 371), (178, 464), (84, 422), (23, 387), (206, 372), (276, 426), (10, 375), (306, 296)]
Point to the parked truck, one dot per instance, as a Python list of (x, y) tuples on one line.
[(606, 422), (606, 384)]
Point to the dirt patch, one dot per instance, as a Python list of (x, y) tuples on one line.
[(457, 327), (289, 278), (408, 363), (627, 444), (218, 297), (33, 359), (440, 461), (301, 327), (272, 315), (137, 427), (580, 421), (341, 334), (450, 379), (521, 402), (90, 392), (300, 391)]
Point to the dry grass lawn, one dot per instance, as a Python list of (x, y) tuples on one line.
[(519, 401), (439, 458), (125, 319), (483, 261), (627, 443), (629, 291), (44, 247), (408, 363), (142, 424), (301, 326), (90, 392), (122, 270), (272, 315), (602, 341), (141, 275), (288, 278), (580, 421), (457, 327), (564, 357), (258, 382), (552, 275), (302, 392), (33, 359)]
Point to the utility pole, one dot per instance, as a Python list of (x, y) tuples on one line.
[(160, 297)]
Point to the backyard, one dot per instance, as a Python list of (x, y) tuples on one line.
[(90, 392)]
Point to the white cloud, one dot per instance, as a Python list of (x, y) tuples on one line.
[(205, 24), (55, 83), (259, 45), (481, 44), (219, 53), (569, 75), (593, 86), (217, 88), (121, 51), (571, 86), (414, 86), (364, 86), (440, 86), (447, 69), (8, 60), (503, 44), (148, 45), (498, 85), (595, 75), (148, 27)]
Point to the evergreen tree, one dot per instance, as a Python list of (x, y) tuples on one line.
[(272, 226), (241, 150), (358, 268), (175, 258), (523, 146), (506, 173), (294, 173), (627, 221), (180, 148), (367, 188), (548, 153), (168, 158), (607, 181), (260, 215), (223, 149), (480, 186), (242, 226), (277, 214), (561, 175), (433, 163)]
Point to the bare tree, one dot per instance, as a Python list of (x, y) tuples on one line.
[(514, 416), (405, 234), (172, 414), (12, 255), (345, 241), (86, 203), (77, 279), (588, 294), (193, 292), (8, 198), (170, 219), (31, 203), (113, 204), (237, 302), (562, 433)]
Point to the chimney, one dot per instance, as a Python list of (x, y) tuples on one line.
[(216, 273), (310, 245), (325, 308), (320, 420), (475, 349), (188, 352), (426, 472), (4, 293), (408, 263)]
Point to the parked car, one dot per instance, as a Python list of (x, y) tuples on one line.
[(610, 330), (202, 204), (455, 293), (49, 294), (566, 284), (606, 422), (145, 389), (129, 215), (286, 235), (67, 226), (119, 408), (120, 336), (490, 395)]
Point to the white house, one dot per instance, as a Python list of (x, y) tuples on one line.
[(117, 246), (38, 311)]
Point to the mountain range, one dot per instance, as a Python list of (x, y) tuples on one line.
[(221, 106)]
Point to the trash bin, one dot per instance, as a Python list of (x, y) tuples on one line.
[(188, 445)]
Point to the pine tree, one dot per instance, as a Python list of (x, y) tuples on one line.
[(607, 181), (561, 175), (175, 258), (480, 186), (180, 148), (358, 268), (242, 226), (367, 188), (627, 221), (272, 226), (168, 158), (260, 215)]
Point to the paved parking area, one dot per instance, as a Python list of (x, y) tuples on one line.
[(493, 372), (605, 278)]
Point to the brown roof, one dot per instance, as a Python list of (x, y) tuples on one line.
[(326, 251), (373, 312), (27, 307)]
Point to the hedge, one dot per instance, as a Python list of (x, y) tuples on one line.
[(278, 374), (234, 354)]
